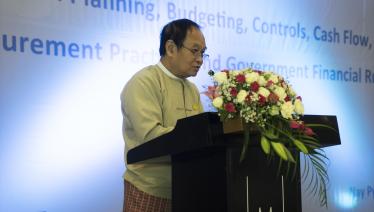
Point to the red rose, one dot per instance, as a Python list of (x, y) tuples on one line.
[(248, 99), (240, 78), (255, 86), (233, 92), (269, 83), (273, 98), (261, 100), (230, 107)]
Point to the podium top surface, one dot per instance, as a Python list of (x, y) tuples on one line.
[(205, 131)]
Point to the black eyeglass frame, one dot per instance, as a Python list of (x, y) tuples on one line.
[(196, 53)]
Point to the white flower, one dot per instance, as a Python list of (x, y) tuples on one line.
[(251, 77), (235, 72), (299, 108), (274, 110), (217, 102), (264, 92), (280, 92), (262, 81), (220, 77), (291, 91), (254, 97), (241, 96), (274, 78), (287, 109)]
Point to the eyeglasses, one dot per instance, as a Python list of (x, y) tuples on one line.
[(196, 53)]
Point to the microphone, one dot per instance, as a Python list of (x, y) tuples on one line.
[(211, 72)]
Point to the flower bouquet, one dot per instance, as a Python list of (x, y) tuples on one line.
[(264, 100)]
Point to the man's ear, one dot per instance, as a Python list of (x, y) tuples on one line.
[(170, 48)]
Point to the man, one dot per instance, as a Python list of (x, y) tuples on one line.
[(152, 102)]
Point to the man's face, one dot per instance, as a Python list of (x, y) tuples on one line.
[(189, 56)]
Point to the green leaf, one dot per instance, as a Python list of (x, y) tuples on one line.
[(279, 149), (321, 125), (265, 144), (300, 146), (245, 142), (270, 133), (289, 155), (315, 171)]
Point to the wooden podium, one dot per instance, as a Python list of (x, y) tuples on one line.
[(207, 175)]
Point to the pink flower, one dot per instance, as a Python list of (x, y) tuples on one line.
[(302, 125), (294, 124), (308, 131), (298, 125), (212, 92), (230, 107)]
